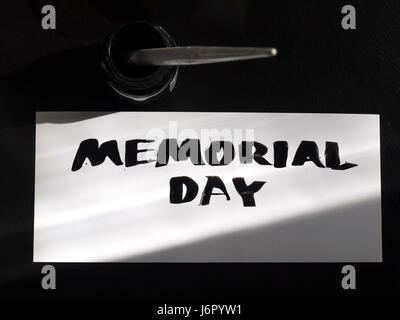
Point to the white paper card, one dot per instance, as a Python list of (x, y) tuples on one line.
[(118, 213)]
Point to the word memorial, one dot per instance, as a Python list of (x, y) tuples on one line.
[(248, 151)]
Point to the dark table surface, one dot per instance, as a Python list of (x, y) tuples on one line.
[(320, 68)]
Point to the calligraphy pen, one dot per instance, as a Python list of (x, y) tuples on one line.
[(141, 60)]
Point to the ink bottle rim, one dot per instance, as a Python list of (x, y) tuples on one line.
[(141, 88)]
